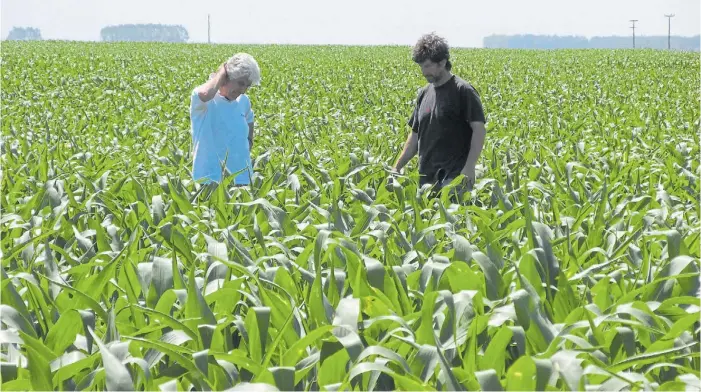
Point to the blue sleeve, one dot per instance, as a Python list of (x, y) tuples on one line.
[(196, 104), (249, 112)]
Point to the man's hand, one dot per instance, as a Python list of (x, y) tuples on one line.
[(468, 181), (222, 76), (392, 179), (209, 89)]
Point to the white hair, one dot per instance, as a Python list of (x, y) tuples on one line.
[(243, 65)]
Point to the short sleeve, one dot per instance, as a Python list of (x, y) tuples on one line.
[(413, 121), (250, 116), (196, 104), (472, 106)]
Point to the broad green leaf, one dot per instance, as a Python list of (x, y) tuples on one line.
[(118, 377), (257, 324), (489, 380), (40, 371)]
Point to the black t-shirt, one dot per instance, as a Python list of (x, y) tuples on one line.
[(442, 119)]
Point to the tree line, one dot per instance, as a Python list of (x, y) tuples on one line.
[(124, 32), (24, 34), (530, 41), (145, 33)]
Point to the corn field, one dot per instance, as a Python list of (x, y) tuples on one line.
[(572, 265)]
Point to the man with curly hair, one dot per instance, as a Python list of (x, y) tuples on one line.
[(222, 121), (448, 122)]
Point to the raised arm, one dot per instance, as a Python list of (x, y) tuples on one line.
[(209, 89)]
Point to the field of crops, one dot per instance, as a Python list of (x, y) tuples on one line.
[(573, 265)]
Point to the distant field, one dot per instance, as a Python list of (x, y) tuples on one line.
[(574, 265)]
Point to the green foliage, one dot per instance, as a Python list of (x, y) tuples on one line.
[(573, 265)]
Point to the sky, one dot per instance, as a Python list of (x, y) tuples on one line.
[(464, 23)]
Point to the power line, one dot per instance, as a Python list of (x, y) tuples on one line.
[(633, 20), (669, 30)]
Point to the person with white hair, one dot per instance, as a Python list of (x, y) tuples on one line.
[(222, 121)]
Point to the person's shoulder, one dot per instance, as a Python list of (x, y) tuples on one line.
[(466, 88), (245, 99), (462, 84), (196, 102), (194, 93), (421, 91)]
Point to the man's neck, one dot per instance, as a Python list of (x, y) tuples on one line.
[(446, 77)]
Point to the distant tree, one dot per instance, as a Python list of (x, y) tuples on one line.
[(647, 42), (145, 33), (24, 34), (530, 41)]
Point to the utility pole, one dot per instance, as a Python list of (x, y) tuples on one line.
[(669, 30), (209, 29), (633, 20)]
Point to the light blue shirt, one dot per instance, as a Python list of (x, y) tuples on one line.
[(220, 127)]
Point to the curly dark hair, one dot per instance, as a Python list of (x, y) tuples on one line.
[(433, 47)]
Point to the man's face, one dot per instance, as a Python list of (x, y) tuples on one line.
[(235, 87), (432, 71)]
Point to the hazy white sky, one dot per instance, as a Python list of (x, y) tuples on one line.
[(462, 22)]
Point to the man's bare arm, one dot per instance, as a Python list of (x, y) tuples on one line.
[(479, 133), (250, 135), (209, 89), (411, 147)]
